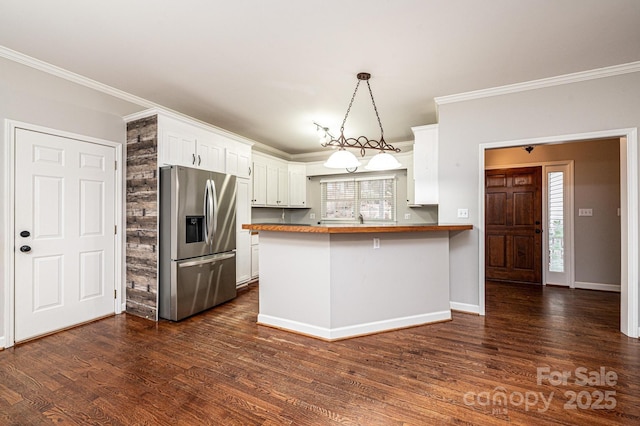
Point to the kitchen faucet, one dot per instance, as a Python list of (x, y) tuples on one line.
[(361, 218)]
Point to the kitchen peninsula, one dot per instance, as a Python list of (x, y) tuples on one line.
[(339, 281)]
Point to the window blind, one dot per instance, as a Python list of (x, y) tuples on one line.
[(372, 197)]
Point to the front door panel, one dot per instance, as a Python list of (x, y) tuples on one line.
[(513, 225)]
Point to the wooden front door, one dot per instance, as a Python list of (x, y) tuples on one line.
[(513, 225)]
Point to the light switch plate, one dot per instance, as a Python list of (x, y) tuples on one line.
[(376, 243), (463, 213), (585, 212), (312, 215)]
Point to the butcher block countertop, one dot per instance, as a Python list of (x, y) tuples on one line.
[(353, 229)]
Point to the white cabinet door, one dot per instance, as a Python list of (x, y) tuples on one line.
[(244, 162), (297, 185), (178, 149), (272, 185), (283, 185), (243, 236), (271, 182), (255, 252), (259, 184), (210, 156), (425, 164), (239, 160)]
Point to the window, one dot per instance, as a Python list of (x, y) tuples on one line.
[(345, 199), (556, 221)]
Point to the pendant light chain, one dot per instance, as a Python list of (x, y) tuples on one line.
[(349, 107), (375, 108), (361, 142)]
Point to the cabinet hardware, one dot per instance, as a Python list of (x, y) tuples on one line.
[(194, 159), (199, 159)]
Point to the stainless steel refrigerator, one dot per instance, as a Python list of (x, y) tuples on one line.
[(197, 241)]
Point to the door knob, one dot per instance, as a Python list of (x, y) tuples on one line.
[(538, 231), (25, 234), (25, 249)]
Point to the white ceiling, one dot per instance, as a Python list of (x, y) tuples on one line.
[(267, 69)]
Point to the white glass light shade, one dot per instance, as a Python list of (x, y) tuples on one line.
[(383, 161), (342, 159)]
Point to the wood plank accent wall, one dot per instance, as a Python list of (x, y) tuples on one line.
[(142, 218)]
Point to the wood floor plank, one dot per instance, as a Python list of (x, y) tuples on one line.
[(221, 368)]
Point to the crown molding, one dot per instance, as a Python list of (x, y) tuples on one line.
[(269, 150), (614, 70), (73, 77), (151, 108), (188, 120)]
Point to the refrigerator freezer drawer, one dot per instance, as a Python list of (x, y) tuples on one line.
[(198, 284)]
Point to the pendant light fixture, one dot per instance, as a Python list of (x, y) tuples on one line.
[(343, 159)]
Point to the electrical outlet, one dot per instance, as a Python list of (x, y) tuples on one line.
[(407, 216), (312, 215), (376, 243), (463, 213)]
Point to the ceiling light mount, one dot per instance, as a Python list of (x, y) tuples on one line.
[(347, 159)]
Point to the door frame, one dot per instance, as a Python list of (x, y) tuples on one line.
[(570, 260), (629, 216), (9, 214)]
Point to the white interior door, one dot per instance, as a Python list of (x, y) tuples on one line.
[(64, 232)]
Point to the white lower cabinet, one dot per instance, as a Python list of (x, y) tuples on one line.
[(243, 236), (254, 256)]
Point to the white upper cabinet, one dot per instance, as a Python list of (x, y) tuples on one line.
[(238, 160), (278, 183), (209, 154), (259, 172), (297, 185), (194, 145), (425, 164), (177, 149)]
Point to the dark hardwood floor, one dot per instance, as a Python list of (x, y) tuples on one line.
[(221, 368)]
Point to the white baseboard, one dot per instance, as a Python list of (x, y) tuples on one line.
[(598, 286), (354, 330), (465, 307)]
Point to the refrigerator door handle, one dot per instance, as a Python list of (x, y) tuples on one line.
[(205, 213), (204, 260), (214, 219)]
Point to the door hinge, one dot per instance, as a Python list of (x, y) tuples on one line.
[(115, 294), (115, 166), (115, 229)]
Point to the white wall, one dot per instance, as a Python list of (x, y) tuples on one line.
[(34, 97), (581, 107)]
